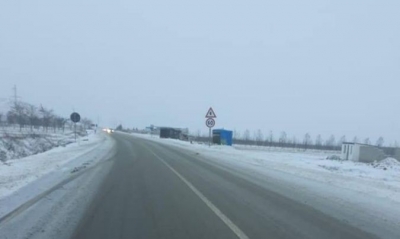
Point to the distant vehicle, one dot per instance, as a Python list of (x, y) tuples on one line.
[(108, 130)]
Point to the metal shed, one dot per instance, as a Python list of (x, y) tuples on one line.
[(222, 137), (361, 152), (172, 133)]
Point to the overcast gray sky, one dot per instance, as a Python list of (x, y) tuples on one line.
[(323, 67)]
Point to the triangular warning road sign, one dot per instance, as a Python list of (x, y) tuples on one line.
[(211, 114)]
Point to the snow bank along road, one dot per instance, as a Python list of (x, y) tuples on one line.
[(154, 190), (42, 196)]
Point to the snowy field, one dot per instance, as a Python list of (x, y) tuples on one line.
[(380, 177), (16, 143), (23, 179), (367, 194), (44, 195)]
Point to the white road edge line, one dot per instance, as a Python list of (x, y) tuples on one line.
[(239, 233)]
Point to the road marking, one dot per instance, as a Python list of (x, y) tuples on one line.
[(239, 233)]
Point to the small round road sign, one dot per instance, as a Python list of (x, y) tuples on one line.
[(210, 123), (75, 117)]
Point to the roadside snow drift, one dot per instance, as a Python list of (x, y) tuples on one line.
[(44, 195), (378, 179), (15, 143), (22, 179)]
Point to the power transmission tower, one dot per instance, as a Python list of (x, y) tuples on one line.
[(15, 94)]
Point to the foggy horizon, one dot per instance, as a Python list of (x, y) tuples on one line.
[(315, 67)]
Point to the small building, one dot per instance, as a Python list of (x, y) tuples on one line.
[(361, 152), (173, 133), (222, 137)]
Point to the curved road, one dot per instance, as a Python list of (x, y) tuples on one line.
[(157, 191)]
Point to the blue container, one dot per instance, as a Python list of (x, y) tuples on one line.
[(222, 137)]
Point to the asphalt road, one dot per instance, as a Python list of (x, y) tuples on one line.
[(158, 191)]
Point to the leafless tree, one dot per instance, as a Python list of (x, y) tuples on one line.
[(23, 113), (259, 137), (331, 141), (60, 122), (70, 124), (86, 123), (380, 142), (367, 141), (236, 134), (18, 114), (271, 137), (341, 140), (246, 136), (32, 116), (307, 140), (294, 141), (318, 141), (46, 117), (119, 127), (283, 138), (355, 139), (11, 118)]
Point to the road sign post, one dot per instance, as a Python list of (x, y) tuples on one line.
[(75, 117), (210, 123), (209, 137)]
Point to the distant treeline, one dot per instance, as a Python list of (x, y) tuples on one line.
[(258, 139), (26, 115), (251, 142)]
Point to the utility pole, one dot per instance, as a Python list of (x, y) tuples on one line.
[(15, 94)]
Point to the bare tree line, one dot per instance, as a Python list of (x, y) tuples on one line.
[(283, 140), (26, 115)]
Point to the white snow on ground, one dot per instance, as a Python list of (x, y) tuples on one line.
[(19, 143), (365, 195), (53, 195), (379, 178), (60, 161)]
